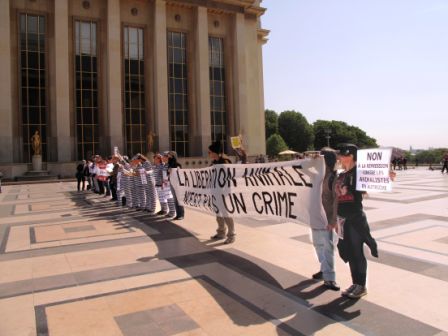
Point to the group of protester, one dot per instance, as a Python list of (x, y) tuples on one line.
[(138, 182), (343, 207), (400, 163)]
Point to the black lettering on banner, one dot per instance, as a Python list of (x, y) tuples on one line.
[(215, 207), (291, 203), (267, 199), (374, 156), (275, 203), (257, 195), (198, 179), (187, 181), (301, 175), (236, 202), (282, 176), (221, 177), (296, 183), (178, 179), (282, 199), (257, 176)]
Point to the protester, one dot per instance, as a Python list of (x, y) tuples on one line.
[(150, 187), (80, 175), (216, 154), (162, 187), (241, 155), (113, 177), (167, 189), (352, 219), (87, 174), (322, 232), (172, 163)]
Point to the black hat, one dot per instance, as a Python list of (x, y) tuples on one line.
[(348, 149), (216, 147)]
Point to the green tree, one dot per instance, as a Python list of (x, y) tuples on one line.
[(295, 129), (431, 155), (275, 144), (340, 132), (271, 122)]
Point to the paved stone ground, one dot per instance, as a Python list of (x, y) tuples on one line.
[(74, 264)]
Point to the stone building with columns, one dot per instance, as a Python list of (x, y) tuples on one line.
[(90, 75)]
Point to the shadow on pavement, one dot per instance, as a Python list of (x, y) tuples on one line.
[(168, 230)]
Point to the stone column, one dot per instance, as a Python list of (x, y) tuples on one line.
[(62, 88), (203, 120), (6, 117), (161, 76), (114, 127), (240, 76)]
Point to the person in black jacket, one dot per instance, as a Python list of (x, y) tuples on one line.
[(216, 154), (351, 217), (172, 163), (80, 174)]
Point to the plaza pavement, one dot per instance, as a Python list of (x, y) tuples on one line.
[(75, 264)]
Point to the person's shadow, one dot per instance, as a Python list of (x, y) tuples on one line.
[(161, 231)]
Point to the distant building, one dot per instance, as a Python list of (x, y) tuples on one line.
[(93, 74)]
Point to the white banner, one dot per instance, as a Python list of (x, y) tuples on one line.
[(291, 190), (372, 171)]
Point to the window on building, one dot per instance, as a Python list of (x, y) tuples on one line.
[(33, 84), (217, 90), (178, 92), (134, 90), (86, 87)]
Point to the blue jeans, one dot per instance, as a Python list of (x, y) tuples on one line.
[(324, 246)]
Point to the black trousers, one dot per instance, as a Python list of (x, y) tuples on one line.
[(356, 233), (81, 179), (356, 260)]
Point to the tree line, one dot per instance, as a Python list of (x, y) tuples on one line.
[(291, 130)]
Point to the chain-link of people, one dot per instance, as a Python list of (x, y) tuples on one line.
[(139, 182)]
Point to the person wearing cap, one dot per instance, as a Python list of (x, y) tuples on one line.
[(322, 232), (216, 154), (356, 231)]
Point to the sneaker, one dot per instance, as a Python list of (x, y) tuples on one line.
[(357, 292), (348, 290), (229, 240), (332, 285), (317, 276), (216, 237)]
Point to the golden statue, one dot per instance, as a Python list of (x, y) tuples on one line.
[(35, 143), (150, 140)]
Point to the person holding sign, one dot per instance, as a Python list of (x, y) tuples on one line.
[(353, 222), (216, 154), (237, 145)]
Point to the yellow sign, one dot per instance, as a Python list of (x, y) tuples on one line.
[(236, 142)]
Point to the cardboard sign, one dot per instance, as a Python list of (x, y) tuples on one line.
[(372, 170), (235, 142)]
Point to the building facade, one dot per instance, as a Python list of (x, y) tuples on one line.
[(90, 75)]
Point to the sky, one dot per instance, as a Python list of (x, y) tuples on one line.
[(380, 65)]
